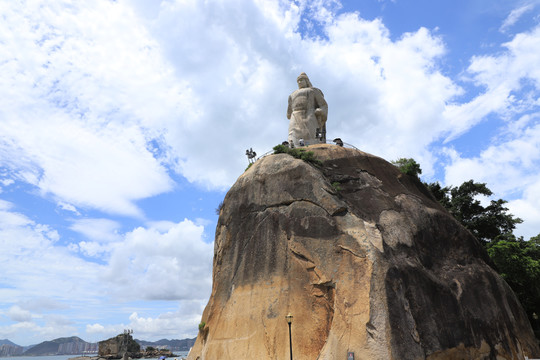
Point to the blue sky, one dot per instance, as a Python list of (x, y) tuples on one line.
[(123, 123)]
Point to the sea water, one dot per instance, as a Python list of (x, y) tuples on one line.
[(181, 355), (52, 357)]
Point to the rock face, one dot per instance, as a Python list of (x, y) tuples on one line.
[(10, 350), (363, 258), (119, 345)]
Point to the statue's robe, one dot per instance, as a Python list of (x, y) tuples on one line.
[(303, 123)]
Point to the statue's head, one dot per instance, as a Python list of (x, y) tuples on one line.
[(303, 81)]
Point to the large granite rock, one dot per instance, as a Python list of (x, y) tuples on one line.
[(119, 346), (363, 258)]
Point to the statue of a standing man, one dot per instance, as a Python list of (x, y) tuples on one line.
[(307, 112)]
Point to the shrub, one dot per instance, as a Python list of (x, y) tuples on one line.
[(336, 185), (298, 153), (218, 209), (408, 166)]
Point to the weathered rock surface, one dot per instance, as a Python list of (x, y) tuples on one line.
[(377, 268), (119, 346)]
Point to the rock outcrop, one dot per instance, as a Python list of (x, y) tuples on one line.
[(364, 259), (118, 346)]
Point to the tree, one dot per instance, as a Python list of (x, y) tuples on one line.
[(485, 223), (518, 262), (408, 166)]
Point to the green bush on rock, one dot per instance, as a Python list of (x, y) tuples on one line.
[(298, 153)]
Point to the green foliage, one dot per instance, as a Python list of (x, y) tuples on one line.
[(299, 153), (518, 262), (150, 348), (336, 185), (202, 325), (486, 223), (220, 206), (281, 149), (249, 165), (408, 166)]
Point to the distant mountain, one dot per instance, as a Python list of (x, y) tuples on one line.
[(173, 345), (8, 348), (7, 342), (61, 346)]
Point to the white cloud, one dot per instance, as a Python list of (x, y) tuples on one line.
[(95, 328), (99, 230), (510, 169), (511, 81), (68, 207), (170, 323), (171, 264), (119, 95), (50, 298), (15, 313), (179, 324), (29, 253), (41, 304), (69, 76), (101, 101), (510, 164), (7, 182), (514, 16), (30, 331)]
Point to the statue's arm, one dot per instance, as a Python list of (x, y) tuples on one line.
[(322, 106), (289, 108)]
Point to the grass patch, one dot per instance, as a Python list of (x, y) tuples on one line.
[(298, 153)]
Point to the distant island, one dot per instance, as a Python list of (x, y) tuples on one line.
[(76, 346)]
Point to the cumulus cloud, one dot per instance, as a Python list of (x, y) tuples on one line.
[(184, 320), (69, 75), (15, 313), (144, 264), (502, 76), (162, 264), (527, 209), (509, 165), (104, 103), (179, 323), (118, 98), (45, 295), (30, 255)]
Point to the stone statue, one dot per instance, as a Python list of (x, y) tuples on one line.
[(307, 112)]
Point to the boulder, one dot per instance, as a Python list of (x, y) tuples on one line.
[(119, 346), (365, 260)]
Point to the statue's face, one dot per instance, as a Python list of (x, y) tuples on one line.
[(302, 83)]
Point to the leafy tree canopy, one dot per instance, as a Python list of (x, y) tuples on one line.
[(485, 222), (518, 262), (408, 166)]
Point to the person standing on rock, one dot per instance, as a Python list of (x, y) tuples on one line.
[(307, 112)]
